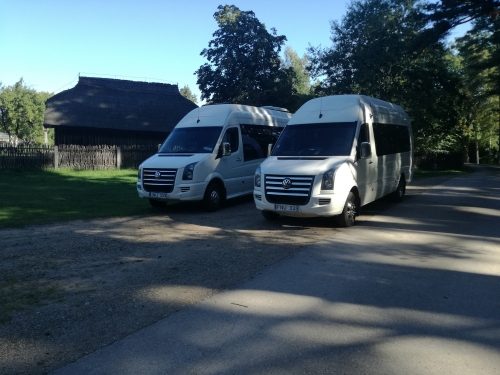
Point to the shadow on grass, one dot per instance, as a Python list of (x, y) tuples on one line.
[(47, 196)]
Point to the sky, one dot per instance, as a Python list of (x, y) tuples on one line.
[(50, 43)]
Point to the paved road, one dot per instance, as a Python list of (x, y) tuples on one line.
[(415, 290)]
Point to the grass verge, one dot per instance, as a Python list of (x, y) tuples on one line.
[(47, 196), (420, 174)]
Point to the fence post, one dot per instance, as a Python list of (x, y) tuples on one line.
[(56, 157), (118, 158)]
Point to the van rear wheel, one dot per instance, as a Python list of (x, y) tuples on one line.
[(398, 195), (214, 196), (348, 215)]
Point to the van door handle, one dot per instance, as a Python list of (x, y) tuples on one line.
[(239, 159), (370, 162)]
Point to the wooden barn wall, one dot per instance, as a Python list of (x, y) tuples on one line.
[(96, 137)]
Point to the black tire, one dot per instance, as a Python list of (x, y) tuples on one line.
[(214, 197), (348, 215), (270, 215), (157, 204), (398, 195)]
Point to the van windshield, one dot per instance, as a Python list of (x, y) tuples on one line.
[(325, 139), (200, 140)]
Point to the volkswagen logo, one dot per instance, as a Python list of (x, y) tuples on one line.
[(287, 183), (157, 174)]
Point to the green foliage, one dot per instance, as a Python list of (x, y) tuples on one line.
[(21, 112), (47, 196), (301, 81), (477, 107), (374, 53), (243, 62), (188, 94)]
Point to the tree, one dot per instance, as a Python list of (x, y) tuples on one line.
[(485, 17), (447, 14), (243, 62), (373, 53), (21, 112), (477, 89), (301, 81), (187, 93)]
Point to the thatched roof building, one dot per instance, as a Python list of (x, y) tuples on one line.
[(115, 112)]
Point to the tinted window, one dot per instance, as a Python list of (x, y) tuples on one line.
[(391, 139), (192, 140), (325, 139), (256, 139)]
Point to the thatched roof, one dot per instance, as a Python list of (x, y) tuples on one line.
[(118, 104)]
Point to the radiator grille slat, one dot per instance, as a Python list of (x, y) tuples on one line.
[(158, 180), (298, 193)]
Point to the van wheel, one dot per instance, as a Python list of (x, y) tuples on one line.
[(398, 195), (348, 215), (214, 197), (157, 204), (270, 215)]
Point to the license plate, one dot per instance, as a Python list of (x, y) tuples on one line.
[(157, 195), (286, 207)]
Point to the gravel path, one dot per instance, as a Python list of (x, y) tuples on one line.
[(69, 289)]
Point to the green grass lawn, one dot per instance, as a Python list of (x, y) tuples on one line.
[(47, 196), (419, 174)]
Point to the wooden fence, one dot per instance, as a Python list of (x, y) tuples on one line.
[(75, 157)]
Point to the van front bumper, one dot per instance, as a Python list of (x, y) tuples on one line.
[(181, 192), (318, 205)]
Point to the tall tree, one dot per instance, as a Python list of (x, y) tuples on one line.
[(243, 62), (302, 80), (21, 112), (373, 53), (188, 94), (478, 85), (485, 17)]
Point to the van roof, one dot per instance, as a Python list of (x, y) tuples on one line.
[(216, 115), (346, 108)]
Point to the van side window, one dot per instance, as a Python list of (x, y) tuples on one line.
[(391, 139), (256, 138), (231, 136)]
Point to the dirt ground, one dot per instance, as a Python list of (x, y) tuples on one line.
[(67, 290)]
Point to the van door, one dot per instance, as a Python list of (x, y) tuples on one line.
[(366, 169), (255, 140), (231, 167)]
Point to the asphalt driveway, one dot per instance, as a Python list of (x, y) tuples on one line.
[(413, 290)]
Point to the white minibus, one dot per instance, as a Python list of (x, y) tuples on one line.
[(211, 155), (336, 154)]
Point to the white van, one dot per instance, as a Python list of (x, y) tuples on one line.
[(336, 154), (211, 155)]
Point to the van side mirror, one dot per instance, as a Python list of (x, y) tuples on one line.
[(226, 149), (366, 150), (269, 149), (159, 146)]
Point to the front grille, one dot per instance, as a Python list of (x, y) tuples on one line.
[(298, 193), (164, 183)]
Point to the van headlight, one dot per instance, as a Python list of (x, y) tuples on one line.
[(139, 173), (328, 176), (188, 171), (257, 177)]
